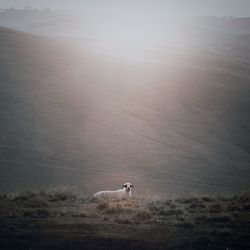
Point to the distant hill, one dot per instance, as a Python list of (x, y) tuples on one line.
[(207, 30), (42, 22), (178, 123)]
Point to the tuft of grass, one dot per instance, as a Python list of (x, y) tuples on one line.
[(102, 206), (35, 202), (112, 210), (170, 212), (125, 221), (23, 196), (3, 196), (79, 215), (215, 208), (246, 207), (214, 218), (188, 200), (207, 199), (55, 197), (185, 224), (118, 208), (38, 214), (143, 215), (61, 193), (234, 208)]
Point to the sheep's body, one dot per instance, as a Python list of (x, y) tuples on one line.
[(117, 194)]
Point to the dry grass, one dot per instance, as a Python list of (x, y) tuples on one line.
[(123, 212), (201, 219)]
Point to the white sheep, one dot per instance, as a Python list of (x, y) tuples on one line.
[(117, 194)]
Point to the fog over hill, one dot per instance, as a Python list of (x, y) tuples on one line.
[(43, 22), (209, 30), (172, 118)]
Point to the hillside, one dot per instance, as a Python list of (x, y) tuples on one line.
[(169, 121)]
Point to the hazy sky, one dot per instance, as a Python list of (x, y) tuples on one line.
[(175, 7)]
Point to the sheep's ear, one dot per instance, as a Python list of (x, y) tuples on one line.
[(124, 186), (131, 185)]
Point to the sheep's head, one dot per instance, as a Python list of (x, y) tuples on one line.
[(127, 186)]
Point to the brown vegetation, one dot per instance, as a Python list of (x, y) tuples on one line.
[(62, 220)]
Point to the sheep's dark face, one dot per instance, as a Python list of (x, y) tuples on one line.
[(127, 186)]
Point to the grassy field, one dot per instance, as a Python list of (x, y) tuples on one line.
[(59, 219)]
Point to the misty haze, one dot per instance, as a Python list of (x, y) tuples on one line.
[(96, 99), (169, 115)]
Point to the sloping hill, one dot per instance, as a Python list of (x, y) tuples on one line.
[(174, 121)]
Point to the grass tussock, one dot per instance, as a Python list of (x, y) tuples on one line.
[(61, 193), (38, 214), (124, 212)]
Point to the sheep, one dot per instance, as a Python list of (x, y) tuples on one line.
[(117, 194)]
